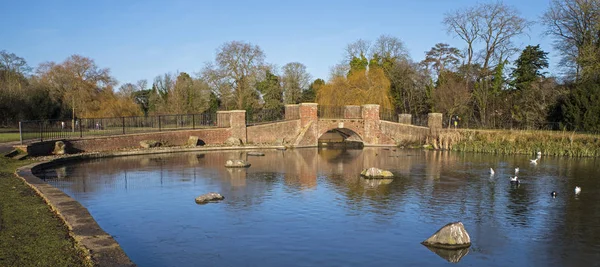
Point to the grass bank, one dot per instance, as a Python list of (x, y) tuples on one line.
[(30, 233), (551, 143), (9, 137)]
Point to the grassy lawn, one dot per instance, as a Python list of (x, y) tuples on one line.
[(9, 137), (30, 233)]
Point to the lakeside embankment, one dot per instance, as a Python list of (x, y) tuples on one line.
[(31, 233), (550, 143)]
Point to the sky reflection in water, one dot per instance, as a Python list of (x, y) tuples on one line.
[(309, 207)]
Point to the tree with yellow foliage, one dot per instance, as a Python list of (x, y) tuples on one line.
[(360, 87)]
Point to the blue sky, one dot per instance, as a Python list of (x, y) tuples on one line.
[(143, 39)]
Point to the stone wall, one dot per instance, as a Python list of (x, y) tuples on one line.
[(176, 138), (403, 133), (271, 133)]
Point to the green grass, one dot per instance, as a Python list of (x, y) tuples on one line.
[(554, 143), (8, 137), (30, 233)]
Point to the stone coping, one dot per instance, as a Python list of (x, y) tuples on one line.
[(98, 246)]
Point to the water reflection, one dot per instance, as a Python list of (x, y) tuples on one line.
[(451, 255), (300, 202)]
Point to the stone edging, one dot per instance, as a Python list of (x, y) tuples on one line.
[(99, 247)]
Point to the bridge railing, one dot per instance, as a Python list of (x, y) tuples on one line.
[(386, 114), (43, 130), (339, 112), (265, 116)]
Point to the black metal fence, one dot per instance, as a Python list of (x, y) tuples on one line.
[(388, 115), (339, 112), (41, 130), (254, 117)]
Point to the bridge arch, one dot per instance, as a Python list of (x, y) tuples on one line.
[(332, 136)]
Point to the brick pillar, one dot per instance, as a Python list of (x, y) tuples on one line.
[(237, 124), (309, 128), (292, 112), (405, 118), (308, 113), (434, 122), (370, 115)]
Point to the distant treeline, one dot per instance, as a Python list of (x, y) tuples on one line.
[(491, 83)]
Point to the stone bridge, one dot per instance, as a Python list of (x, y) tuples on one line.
[(302, 127)]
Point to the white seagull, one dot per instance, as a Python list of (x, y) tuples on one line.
[(577, 190), (534, 161), (514, 180), (516, 170), (492, 171)]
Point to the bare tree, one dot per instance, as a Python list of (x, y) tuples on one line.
[(77, 83), (295, 80), (493, 25), (499, 25), (142, 84), (357, 49), (575, 25), (388, 48), (235, 72), (465, 24), (451, 97)]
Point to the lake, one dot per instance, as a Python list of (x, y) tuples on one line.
[(310, 207)]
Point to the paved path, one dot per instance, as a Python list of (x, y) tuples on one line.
[(7, 147)]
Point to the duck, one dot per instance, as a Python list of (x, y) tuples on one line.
[(534, 161), (516, 170), (553, 194), (492, 172), (577, 190), (514, 180)]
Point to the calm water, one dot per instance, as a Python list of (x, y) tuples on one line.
[(309, 207)]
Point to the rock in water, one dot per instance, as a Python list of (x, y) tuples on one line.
[(451, 236), (149, 143), (59, 148), (209, 197), (192, 141), (375, 173), (255, 153), (236, 163)]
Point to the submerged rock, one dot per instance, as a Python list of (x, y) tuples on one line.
[(209, 197), (149, 143), (236, 163), (375, 173), (255, 153), (451, 236)]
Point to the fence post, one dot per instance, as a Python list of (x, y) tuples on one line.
[(20, 133), (123, 124), (159, 126), (41, 129), (79, 122), (194, 121)]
